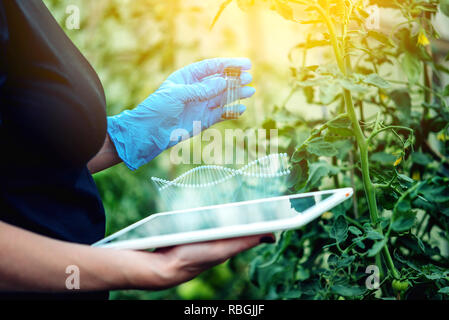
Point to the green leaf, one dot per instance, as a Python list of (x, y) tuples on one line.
[(446, 91), (383, 158), (374, 235), (347, 291), (269, 124), (387, 198), (422, 203), (403, 217), (351, 86), (318, 170), (380, 37), (223, 6), (334, 135), (377, 246), (355, 231), (332, 260), (264, 277), (438, 123), (309, 92), (421, 158), (402, 206), (252, 271), (341, 209), (316, 173), (284, 10), (435, 193), (282, 245), (320, 147), (444, 290), (403, 101), (377, 81), (435, 276), (339, 230), (302, 204), (405, 181), (440, 67), (444, 6), (359, 242), (445, 211), (341, 122), (345, 261), (302, 273), (245, 5), (341, 126), (412, 67), (291, 294), (329, 92), (299, 175), (343, 148), (421, 245), (299, 155)]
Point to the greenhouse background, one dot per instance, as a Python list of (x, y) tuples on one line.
[(136, 44)]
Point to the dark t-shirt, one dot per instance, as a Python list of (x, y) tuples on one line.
[(52, 122)]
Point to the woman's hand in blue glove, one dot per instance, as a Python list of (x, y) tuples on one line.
[(190, 94)]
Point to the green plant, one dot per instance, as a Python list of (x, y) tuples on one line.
[(395, 157)]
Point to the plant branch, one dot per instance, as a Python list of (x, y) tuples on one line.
[(376, 132), (317, 132), (333, 37)]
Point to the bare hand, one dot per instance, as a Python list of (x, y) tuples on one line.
[(31, 262), (181, 263)]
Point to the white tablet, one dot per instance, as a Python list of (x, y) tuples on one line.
[(225, 221)]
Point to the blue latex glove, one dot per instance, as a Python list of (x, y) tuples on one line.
[(188, 95)]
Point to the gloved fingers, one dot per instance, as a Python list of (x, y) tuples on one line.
[(246, 78), (199, 70), (205, 90), (245, 92), (241, 108), (215, 114)]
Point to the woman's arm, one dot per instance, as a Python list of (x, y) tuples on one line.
[(105, 158), (30, 262)]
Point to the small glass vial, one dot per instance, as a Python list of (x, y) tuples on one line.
[(230, 103)]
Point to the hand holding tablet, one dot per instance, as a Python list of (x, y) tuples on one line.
[(238, 219)]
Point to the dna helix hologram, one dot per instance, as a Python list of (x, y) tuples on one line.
[(212, 184)]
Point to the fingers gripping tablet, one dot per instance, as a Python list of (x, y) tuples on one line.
[(226, 221)]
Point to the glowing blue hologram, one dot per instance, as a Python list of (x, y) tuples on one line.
[(211, 184)]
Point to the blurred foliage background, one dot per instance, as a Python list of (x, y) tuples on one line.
[(134, 45)]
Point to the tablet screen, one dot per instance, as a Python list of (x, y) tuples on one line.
[(221, 216)]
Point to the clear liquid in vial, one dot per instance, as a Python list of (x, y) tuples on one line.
[(230, 103)]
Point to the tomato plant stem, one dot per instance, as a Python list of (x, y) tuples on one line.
[(364, 160), (362, 142), (352, 177), (333, 36), (370, 190), (336, 181)]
